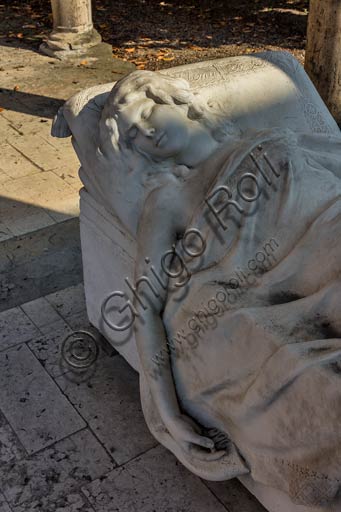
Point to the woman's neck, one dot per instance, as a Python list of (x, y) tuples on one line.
[(206, 172), (201, 145)]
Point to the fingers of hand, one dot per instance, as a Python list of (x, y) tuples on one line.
[(196, 439), (200, 454)]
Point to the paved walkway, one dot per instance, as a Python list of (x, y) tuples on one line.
[(76, 441), (39, 181), (39, 174)]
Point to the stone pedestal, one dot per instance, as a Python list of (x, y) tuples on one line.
[(73, 32)]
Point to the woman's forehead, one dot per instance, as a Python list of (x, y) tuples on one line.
[(132, 112)]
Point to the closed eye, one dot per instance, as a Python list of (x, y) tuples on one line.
[(146, 113)]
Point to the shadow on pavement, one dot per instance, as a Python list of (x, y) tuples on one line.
[(27, 103)]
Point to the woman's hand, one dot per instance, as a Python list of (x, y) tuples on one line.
[(188, 435)]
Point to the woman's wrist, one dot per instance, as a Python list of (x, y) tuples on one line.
[(170, 415)]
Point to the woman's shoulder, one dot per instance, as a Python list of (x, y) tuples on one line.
[(272, 135)]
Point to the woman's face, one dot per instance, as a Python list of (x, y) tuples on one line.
[(162, 131)]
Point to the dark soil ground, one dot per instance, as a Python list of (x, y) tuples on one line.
[(155, 34)]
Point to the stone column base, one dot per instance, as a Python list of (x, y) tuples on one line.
[(66, 45)]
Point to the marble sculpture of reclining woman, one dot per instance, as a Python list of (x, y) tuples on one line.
[(237, 286)]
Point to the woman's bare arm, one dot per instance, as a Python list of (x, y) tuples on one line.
[(164, 218), (157, 233)]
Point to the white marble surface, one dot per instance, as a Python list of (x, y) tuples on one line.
[(111, 207)]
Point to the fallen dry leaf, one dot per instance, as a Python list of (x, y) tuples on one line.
[(165, 58)]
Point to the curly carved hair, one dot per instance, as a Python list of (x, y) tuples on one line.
[(162, 89)]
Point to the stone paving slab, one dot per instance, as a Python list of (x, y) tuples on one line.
[(26, 153), (47, 348), (45, 480), (4, 507), (57, 327), (34, 406), (153, 482), (79, 321), (43, 190), (19, 124), (3, 176), (233, 495), (32, 195), (46, 76), (110, 403), (72, 503), (39, 263), (69, 301), (49, 477), (20, 105), (14, 164), (68, 208), (44, 151), (5, 232), (10, 446), (60, 442), (57, 315), (68, 173), (39, 173), (41, 312), (15, 328), (20, 217), (32, 246)]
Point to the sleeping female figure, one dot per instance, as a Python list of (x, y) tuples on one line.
[(238, 325)]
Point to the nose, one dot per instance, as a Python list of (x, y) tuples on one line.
[(147, 131)]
